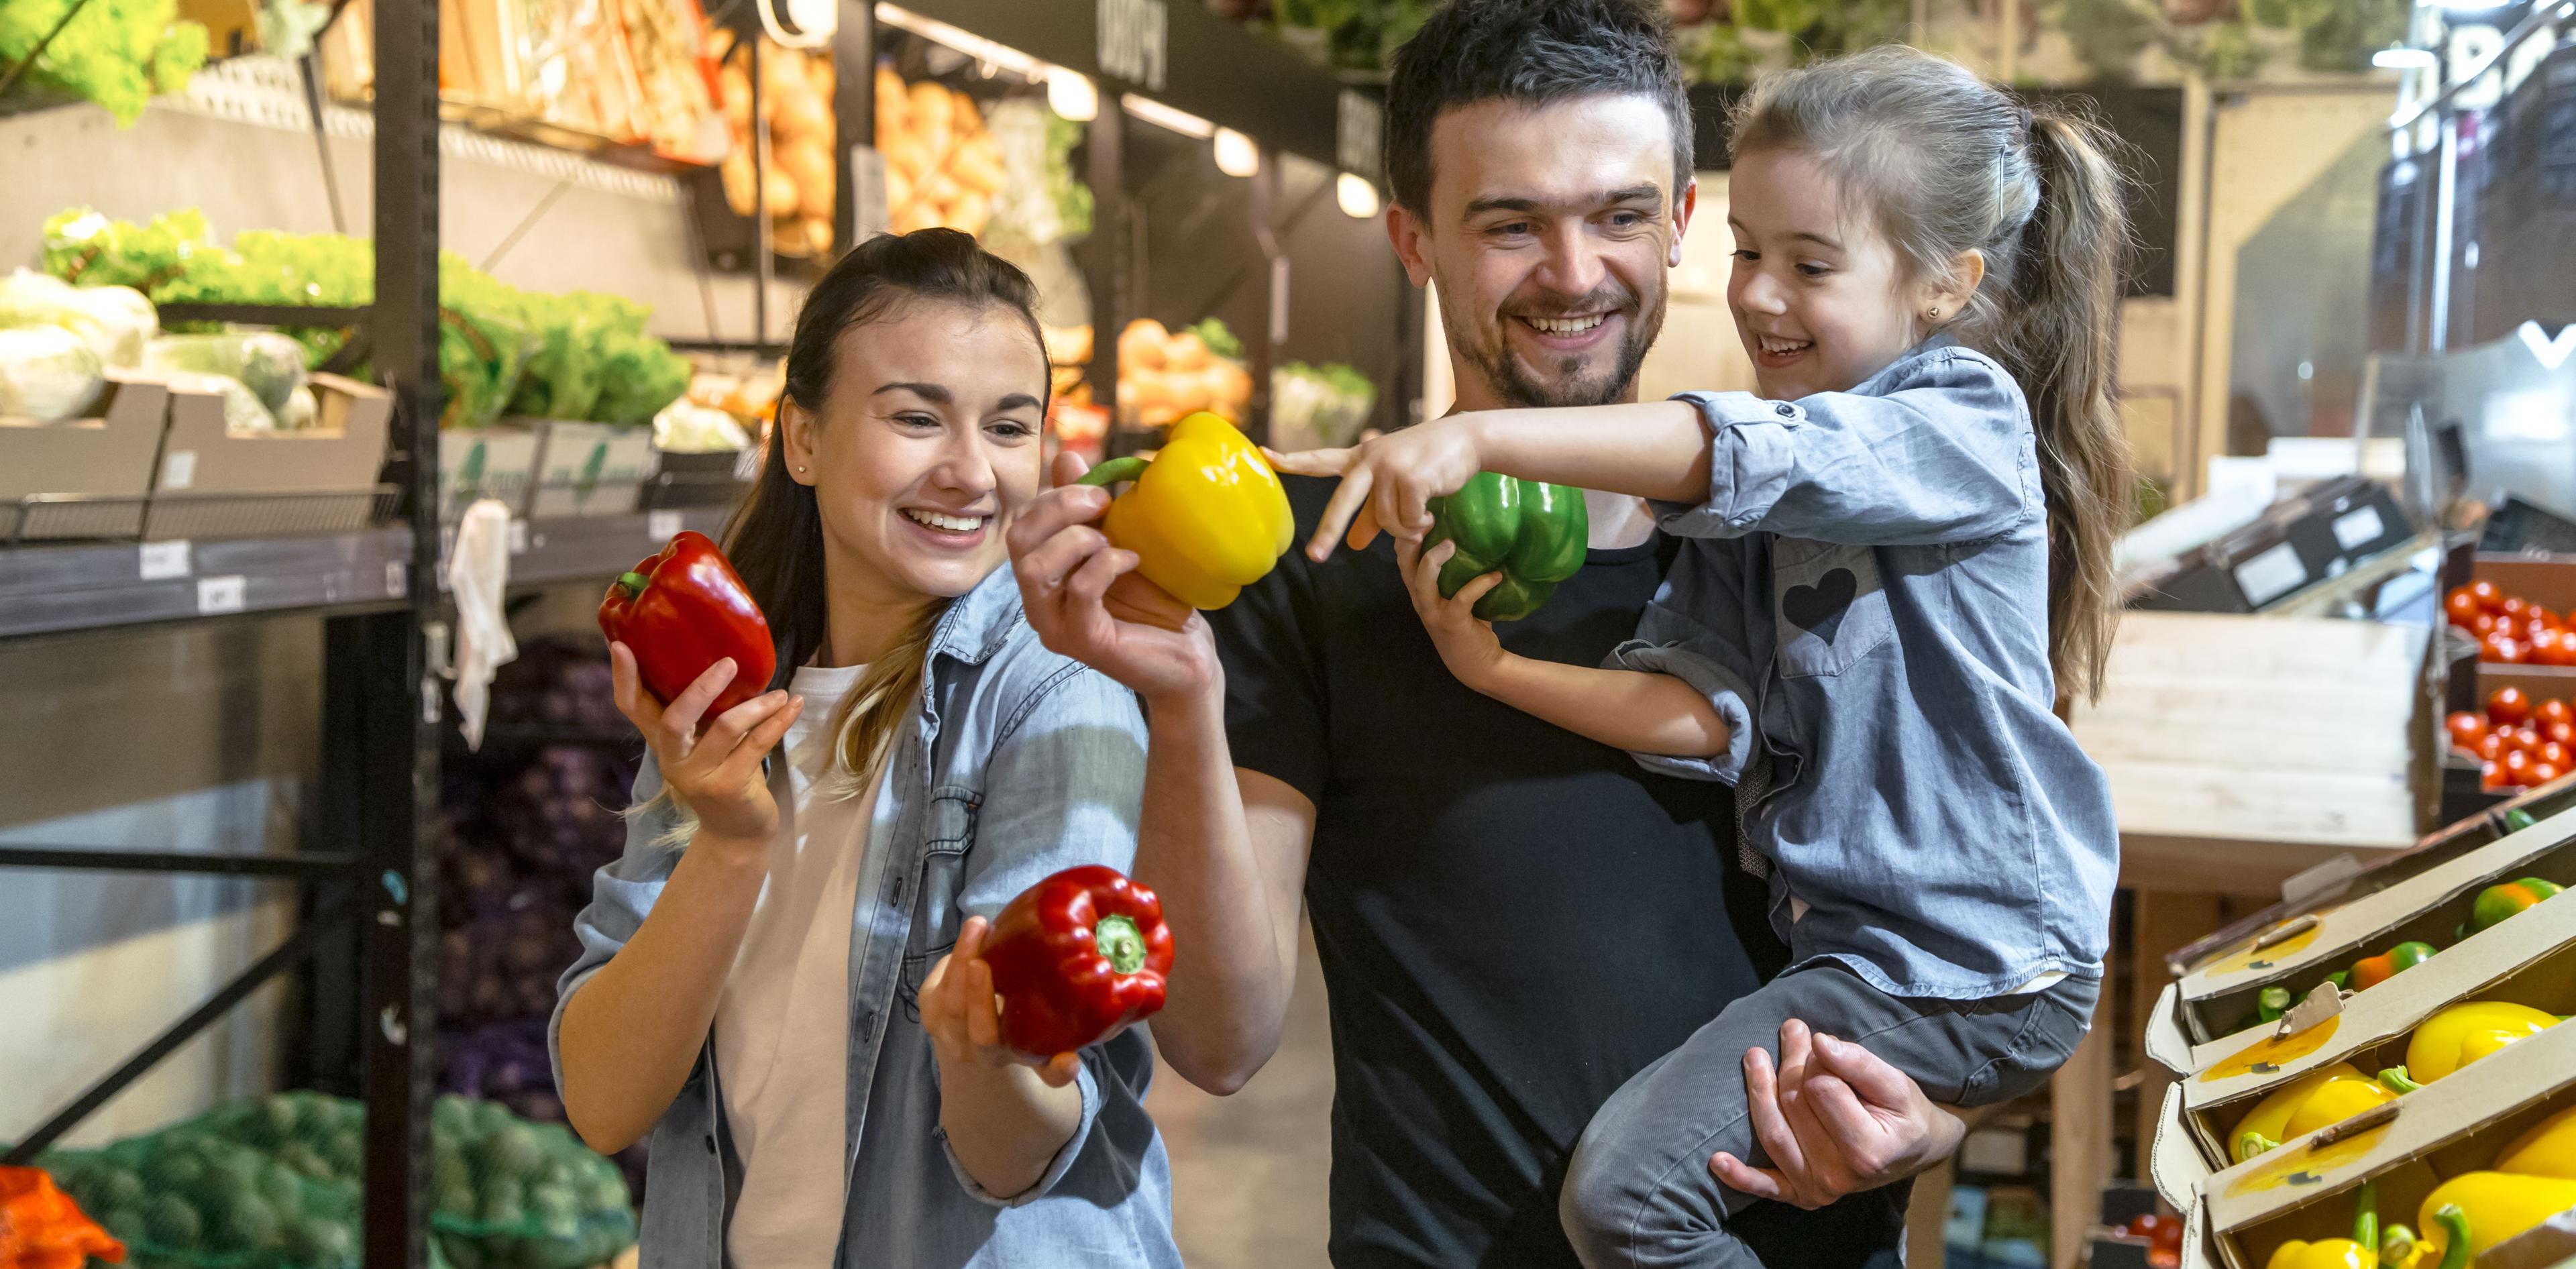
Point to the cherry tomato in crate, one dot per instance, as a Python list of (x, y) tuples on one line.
[(2563, 733), (2490, 775), (2544, 771), (2563, 652), (2484, 624), (2551, 752), (2461, 606), (2501, 647), (2493, 745), (2553, 710), (2514, 607), (2467, 730), (2485, 592), (2517, 767), (2526, 738), (2508, 706)]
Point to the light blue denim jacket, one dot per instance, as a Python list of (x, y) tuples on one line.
[(1023, 763), (1866, 594)]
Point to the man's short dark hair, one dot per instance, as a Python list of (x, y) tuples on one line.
[(1534, 52)]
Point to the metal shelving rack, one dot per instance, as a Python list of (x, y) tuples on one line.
[(379, 596)]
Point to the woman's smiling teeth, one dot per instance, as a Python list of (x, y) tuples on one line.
[(1775, 345), (944, 522), (1566, 325)]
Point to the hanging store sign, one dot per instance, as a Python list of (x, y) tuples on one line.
[(1133, 39)]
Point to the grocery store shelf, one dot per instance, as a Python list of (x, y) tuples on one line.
[(59, 589), (225, 863)]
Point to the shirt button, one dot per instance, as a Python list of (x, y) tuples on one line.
[(711, 1145), (1785, 409)]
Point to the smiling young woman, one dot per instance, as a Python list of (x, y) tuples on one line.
[(789, 950)]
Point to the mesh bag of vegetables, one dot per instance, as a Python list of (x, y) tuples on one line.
[(515, 1195)]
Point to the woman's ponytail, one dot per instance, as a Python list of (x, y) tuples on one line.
[(2059, 335)]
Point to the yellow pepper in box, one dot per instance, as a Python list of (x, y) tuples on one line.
[(2361, 1251), (2460, 1035), (1206, 517), (2327, 1095), (2549, 1149), (2495, 1206)]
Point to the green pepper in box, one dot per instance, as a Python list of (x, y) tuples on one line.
[(1532, 532), (2497, 902)]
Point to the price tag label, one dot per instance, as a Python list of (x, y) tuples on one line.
[(1358, 125), (164, 560), (1132, 38), (518, 537), (219, 595), (179, 469), (662, 526), (397, 579)]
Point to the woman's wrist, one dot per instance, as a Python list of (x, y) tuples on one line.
[(730, 849)]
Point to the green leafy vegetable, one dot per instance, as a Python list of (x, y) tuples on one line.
[(1218, 338), (113, 52)]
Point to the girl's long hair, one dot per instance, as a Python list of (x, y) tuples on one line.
[(776, 539), (1951, 165)]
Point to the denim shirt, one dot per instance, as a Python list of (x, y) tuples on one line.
[(1866, 595), (1023, 763)]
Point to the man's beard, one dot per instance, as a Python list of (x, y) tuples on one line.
[(1570, 386)]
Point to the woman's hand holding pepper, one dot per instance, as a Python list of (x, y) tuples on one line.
[(716, 775), (1388, 481), (963, 1016)]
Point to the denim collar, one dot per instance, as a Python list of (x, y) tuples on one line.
[(978, 622)]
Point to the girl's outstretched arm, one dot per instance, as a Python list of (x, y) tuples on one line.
[(1650, 449)]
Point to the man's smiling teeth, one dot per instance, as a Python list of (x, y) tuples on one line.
[(1566, 325), (952, 524), (1771, 345)]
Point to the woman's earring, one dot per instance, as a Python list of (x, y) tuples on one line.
[(1935, 315)]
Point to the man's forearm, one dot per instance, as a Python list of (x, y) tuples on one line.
[(1236, 955), (1624, 709), (1649, 449)]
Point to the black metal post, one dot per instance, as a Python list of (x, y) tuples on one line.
[(854, 115), (1107, 268), (1269, 291), (397, 711)]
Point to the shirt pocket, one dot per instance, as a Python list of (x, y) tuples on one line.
[(948, 833), (1828, 609)]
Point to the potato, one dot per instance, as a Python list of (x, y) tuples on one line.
[(977, 165), (818, 235), (1186, 353), (938, 187), (736, 172), (1228, 385), (933, 107), (809, 163), (782, 195), (894, 105), (906, 153), (898, 188), (963, 117), (1148, 390), (1140, 346), (913, 216), (970, 212), (734, 84), (801, 117)]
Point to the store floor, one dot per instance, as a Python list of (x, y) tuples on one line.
[(1248, 1171)]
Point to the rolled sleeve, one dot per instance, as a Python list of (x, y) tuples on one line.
[(1937, 448), (1086, 1080), (1718, 685)]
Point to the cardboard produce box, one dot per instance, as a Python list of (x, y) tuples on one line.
[(485, 462), (101, 465), (2211, 1001), (2350, 879), (2408, 1148), (2527, 960), (2549, 581), (590, 469), (2309, 537), (213, 481)]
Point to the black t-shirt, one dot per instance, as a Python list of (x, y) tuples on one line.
[(1512, 919)]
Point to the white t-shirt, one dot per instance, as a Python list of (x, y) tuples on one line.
[(783, 1026)]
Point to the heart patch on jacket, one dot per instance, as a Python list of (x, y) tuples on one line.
[(1819, 609)]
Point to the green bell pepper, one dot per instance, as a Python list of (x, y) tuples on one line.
[(1531, 532)]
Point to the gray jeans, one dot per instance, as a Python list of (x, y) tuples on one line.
[(1639, 1192)]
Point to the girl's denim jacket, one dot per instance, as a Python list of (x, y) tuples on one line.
[(1866, 595), (1022, 763)]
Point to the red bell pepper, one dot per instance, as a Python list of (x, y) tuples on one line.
[(1077, 957), (683, 610)]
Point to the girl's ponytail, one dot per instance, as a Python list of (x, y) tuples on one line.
[(2059, 335)]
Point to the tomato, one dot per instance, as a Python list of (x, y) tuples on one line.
[(2467, 729), (2462, 607), (2513, 608), (2543, 772), (2527, 739), (2562, 651), (2499, 646), (2490, 775), (2492, 745), (2551, 752), (2553, 710), (2508, 705), (2539, 616), (2483, 624), (2563, 733), (2485, 592), (2517, 766)]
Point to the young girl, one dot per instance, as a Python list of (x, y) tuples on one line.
[(1900, 563), (780, 980)]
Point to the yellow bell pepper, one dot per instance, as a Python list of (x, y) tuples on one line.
[(1206, 517), (2549, 1149), (2495, 1205), (2327, 1095), (2460, 1035), (2361, 1251)]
